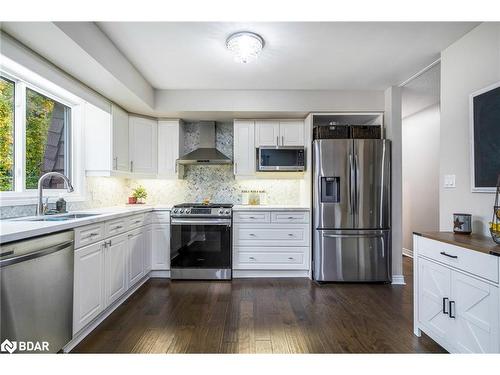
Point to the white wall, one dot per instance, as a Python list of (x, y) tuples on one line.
[(469, 64), (393, 131), (420, 173)]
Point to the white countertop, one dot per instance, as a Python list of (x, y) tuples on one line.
[(18, 229), (269, 207)]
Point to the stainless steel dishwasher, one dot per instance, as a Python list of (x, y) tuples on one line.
[(36, 290)]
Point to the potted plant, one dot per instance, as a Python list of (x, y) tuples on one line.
[(139, 195)]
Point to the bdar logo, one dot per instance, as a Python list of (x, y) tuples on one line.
[(8, 346)]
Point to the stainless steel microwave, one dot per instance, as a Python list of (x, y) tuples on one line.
[(281, 158)]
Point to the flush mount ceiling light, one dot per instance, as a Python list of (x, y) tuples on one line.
[(245, 46)]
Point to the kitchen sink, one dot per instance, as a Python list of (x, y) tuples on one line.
[(64, 217)]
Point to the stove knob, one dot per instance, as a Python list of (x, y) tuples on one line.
[(221, 212), (181, 211), (175, 210), (227, 212), (188, 211)]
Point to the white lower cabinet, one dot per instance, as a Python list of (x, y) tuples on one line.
[(136, 246), (271, 241), (148, 249), (460, 311), (89, 281), (160, 238), (115, 260)]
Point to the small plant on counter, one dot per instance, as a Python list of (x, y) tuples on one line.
[(140, 194)]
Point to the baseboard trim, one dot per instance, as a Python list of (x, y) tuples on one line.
[(398, 280), (160, 274), (84, 332), (242, 274), (408, 252)]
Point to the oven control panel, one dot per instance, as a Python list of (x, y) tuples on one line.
[(201, 212)]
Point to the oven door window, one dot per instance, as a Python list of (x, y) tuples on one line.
[(200, 246)]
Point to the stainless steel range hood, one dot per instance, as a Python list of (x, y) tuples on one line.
[(206, 153)]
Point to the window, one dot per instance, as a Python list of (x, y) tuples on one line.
[(47, 125), (7, 88), (41, 128)]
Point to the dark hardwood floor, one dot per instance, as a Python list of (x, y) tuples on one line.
[(262, 316)]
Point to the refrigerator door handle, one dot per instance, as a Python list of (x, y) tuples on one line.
[(352, 182), (374, 235), (356, 186)]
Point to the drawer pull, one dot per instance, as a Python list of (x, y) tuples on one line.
[(452, 313), (137, 222), (448, 255), (91, 235), (290, 234), (251, 258), (445, 300), (252, 234), (291, 217), (291, 258), (118, 227), (251, 217)]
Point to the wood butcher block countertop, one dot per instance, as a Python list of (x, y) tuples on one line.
[(476, 242)]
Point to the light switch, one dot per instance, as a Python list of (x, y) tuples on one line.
[(449, 181)]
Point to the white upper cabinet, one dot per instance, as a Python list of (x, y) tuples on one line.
[(98, 141), (292, 133), (170, 139), (267, 133), (279, 133), (244, 148), (143, 146), (120, 139)]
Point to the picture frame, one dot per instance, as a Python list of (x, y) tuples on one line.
[(477, 149)]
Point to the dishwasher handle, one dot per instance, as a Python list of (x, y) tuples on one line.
[(35, 254)]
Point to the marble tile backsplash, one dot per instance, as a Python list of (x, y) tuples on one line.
[(215, 182)]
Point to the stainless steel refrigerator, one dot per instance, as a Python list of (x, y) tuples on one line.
[(351, 210)]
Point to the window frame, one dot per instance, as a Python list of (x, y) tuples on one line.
[(26, 79)]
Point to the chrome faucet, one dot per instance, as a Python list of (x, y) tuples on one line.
[(41, 208)]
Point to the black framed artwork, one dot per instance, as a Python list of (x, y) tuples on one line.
[(485, 138)]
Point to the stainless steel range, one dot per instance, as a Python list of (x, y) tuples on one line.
[(201, 241)]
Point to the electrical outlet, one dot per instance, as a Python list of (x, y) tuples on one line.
[(449, 181)]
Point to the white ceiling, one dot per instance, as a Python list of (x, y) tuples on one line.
[(297, 55)]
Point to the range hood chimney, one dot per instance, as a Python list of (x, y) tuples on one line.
[(206, 153)]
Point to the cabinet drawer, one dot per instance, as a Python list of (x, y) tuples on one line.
[(160, 217), (267, 258), (115, 227), (136, 221), (271, 235), (252, 217), (88, 234), (289, 217), (474, 262)]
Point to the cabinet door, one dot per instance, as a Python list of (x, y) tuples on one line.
[(135, 256), (244, 148), (115, 261), (120, 139), (292, 133), (148, 248), (88, 299), (475, 327), (161, 246), (168, 147), (143, 145), (267, 133), (434, 286)]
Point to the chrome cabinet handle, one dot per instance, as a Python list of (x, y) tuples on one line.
[(282, 140), (291, 217), (252, 217), (448, 255), (91, 235), (235, 168), (118, 227), (252, 234), (115, 162), (452, 313), (251, 258), (291, 258), (290, 234), (445, 300), (108, 243), (277, 140), (131, 166)]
